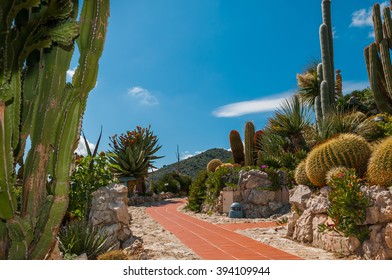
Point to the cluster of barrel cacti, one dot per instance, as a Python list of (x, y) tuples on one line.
[(347, 151), (36, 46), (378, 60)]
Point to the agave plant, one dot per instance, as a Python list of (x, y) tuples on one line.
[(133, 153)]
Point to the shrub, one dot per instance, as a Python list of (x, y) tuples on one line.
[(347, 205), (173, 182), (90, 174), (80, 237), (197, 192)]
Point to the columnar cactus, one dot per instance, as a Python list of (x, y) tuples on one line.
[(347, 150), (249, 148), (36, 47), (378, 60), (237, 147), (327, 83), (380, 164)]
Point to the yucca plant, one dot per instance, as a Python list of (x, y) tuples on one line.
[(133, 153), (308, 84)]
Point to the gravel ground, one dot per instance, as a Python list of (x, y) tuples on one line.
[(160, 244)]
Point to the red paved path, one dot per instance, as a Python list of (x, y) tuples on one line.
[(214, 242)]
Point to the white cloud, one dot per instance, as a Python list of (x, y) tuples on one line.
[(144, 96), (252, 106), (350, 86), (371, 34), (81, 149), (363, 17), (188, 154), (70, 74)]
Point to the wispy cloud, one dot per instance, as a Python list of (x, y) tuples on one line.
[(363, 17), (252, 106), (81, 149), (144, 96), (350, 86), (334, 33), (188, 154)]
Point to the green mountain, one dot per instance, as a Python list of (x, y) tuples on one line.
[(191, 166)]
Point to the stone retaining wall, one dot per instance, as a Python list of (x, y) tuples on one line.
[(309, 211)]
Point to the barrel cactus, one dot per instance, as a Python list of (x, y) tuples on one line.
[(348, 150), (237, 147), (213, 165), (300, 174), (380, 164)]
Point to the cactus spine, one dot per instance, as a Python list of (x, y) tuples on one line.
[(36, 47), (249, 139), (346, 150), (300, 174), (380, 164), (237, 147), (378, 60)]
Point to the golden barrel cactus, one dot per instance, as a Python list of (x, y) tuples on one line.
[(380, 164), (213, 165), (347, 150), (300, 174)]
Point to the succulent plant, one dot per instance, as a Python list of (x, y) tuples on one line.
[(37, 41), (249, 147), (237, 147), (379, 170), (300, 174), (347, 150), (213, 165), (133, 153)]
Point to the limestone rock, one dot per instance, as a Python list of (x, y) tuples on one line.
[(303, 231), (388, 235), (318, 204), (300, 196), (261, 197), (253, 179)]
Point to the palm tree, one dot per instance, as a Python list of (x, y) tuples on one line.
[(290, 121), (309, 87)]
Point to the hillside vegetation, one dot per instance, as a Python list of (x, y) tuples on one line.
[(192, 165)]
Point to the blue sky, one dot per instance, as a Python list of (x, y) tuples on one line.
[(196, 69)]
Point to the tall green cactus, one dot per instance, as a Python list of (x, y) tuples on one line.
[(36, 46), (249, 140), (237, 147), (325, 70), (378, 60)]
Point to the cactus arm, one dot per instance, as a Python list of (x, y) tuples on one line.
[(327, 19), (327, 66), (21, 234), (376, 75), (388, 25), (318, 108), (324, 98), (386, 64), (378, 30)]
